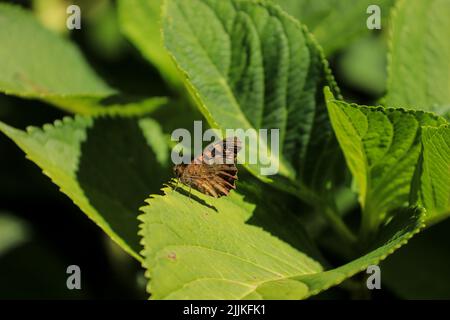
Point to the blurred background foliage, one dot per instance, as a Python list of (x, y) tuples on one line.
[(42, 231)]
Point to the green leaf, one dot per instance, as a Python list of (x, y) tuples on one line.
[(106, 165), (199, 247), (36, 63), (419, 55), (392, 235), (251, 66), (435, 176), (114, 105), (335, 23), (277, 216), (196, 250), (382, 147), (140, 21)]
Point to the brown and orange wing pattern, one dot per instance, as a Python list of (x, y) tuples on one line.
[(214, 172), (221, 152)]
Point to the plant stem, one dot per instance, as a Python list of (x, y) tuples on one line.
[(369, 224), (339, 226)]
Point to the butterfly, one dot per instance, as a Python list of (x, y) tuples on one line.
[(213, 172)]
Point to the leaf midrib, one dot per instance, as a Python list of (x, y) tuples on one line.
[(236, 257), (253, 288)]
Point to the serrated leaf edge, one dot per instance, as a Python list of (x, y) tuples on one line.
[(90, 211)]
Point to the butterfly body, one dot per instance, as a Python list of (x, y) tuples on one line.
[(213, 172)]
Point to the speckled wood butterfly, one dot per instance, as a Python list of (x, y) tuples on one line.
[(213, 172)]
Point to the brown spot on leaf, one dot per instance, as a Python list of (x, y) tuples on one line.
[(172, 256)]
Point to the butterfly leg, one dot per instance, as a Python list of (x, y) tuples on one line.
[(190, 189), (176, 186)]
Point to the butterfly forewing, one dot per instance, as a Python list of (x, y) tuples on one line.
[(221, 152)]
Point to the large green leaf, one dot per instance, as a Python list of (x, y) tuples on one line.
[(106, 165), (198, 247), (419, 58), (37, 63), (335, 23), (141, 22), (435, 174), (251, 66), (382, 147)]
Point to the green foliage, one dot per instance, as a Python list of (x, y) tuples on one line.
[(197, 250), (435, 172), (248, 65), (382, 148), (419, 55), (36, 63), (140, 21), (201, 248), (106, 180), (274, 83), (335, 23), (403, 272), (393, 234)]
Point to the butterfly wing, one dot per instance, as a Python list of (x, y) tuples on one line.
[(221, 152), (214, 172)]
